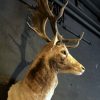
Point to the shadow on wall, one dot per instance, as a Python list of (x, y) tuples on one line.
[(22, 48), (22, 64)]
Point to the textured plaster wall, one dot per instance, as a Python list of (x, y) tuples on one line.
[(19, 45)]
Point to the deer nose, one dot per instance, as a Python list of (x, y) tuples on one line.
[(83, 68)]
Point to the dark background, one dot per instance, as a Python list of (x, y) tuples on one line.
[(19, 45)]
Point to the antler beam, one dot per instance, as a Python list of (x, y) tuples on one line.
[(41, 15)]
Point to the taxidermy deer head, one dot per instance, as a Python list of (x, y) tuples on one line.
[(56, 51), (41, 79)]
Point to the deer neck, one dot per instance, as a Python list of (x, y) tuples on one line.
[(42, 79)]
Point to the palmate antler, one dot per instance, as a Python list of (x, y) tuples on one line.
[(39, 19)]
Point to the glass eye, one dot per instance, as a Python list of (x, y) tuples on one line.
[(63, 52)]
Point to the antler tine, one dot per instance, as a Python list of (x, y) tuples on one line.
[(38, 21), (45, 8), (42, 35), (75, 41), (62, 10), (53, 21)]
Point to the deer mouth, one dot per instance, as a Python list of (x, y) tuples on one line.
[(71, 70), (79, 73)]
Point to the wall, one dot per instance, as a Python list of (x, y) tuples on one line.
[(19, 45)]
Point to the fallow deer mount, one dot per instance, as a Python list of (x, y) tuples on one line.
[(41, 78)]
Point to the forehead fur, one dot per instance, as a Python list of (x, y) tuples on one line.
[(50, 46)]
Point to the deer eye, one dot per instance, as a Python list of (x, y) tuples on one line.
[(63, 52)]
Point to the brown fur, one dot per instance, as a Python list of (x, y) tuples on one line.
[(41, 79)]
